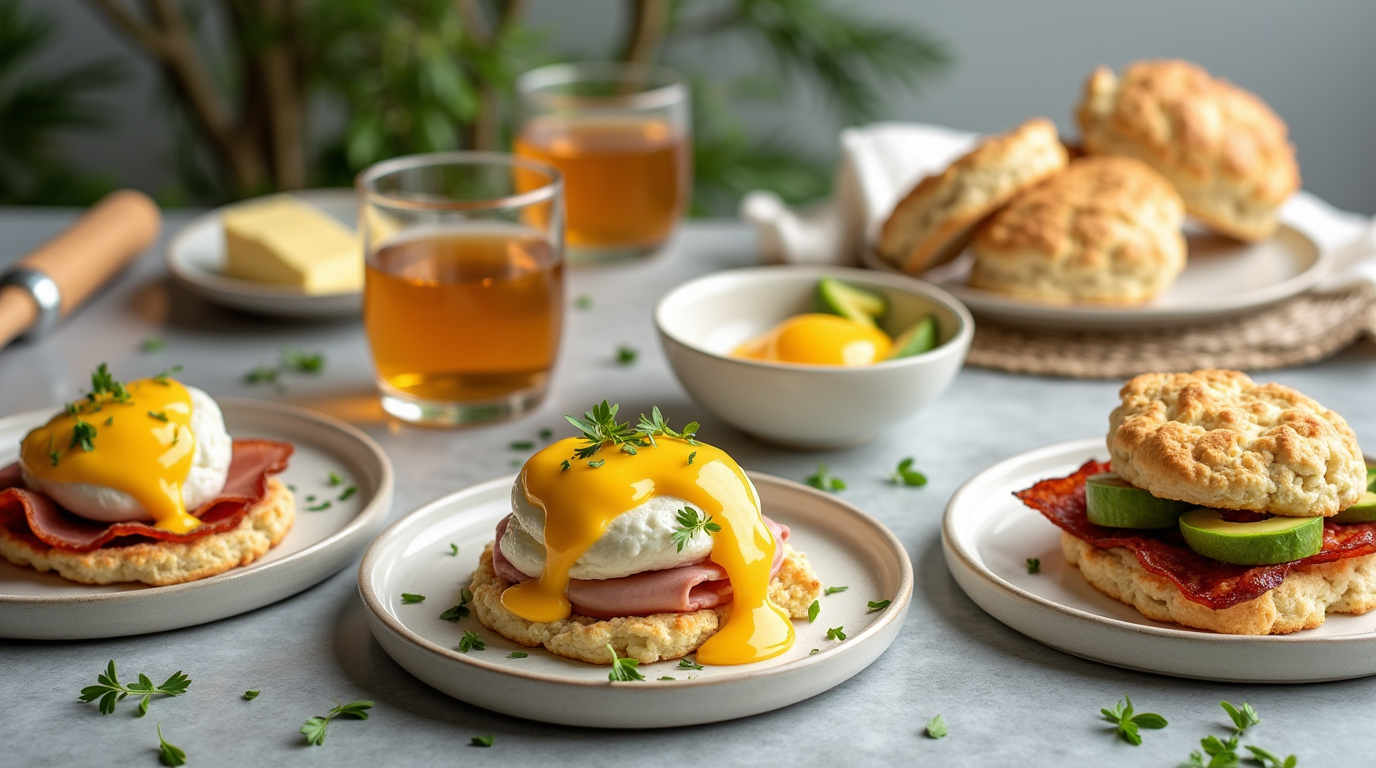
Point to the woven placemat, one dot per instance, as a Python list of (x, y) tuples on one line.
[(1298, 331)]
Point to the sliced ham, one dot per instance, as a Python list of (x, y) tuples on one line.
[(34, 517), (686, 588)]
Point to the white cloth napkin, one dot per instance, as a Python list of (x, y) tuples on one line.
[(881, 162)]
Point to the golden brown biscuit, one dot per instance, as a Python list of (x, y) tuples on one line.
[(1107, 230), (645, 638), (1221, 146), (1302, 600), (934, 222), (1218, 439), (160, 563)]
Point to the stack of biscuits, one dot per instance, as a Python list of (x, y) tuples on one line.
[(1162, 140)]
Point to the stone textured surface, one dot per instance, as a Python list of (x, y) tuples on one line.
[(1008, 700)]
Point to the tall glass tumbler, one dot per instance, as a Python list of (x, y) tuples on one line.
[(463, 298), (620, 134)]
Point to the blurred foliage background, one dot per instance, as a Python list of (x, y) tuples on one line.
[(285, 94)]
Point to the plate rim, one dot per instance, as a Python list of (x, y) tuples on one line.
[(897, 610), (378, 507), (994, 305), (975, 565)]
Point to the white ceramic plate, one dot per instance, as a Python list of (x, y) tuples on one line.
[(1223, 278), (845, 546), (987, 536), (44, 606), (196, 257)]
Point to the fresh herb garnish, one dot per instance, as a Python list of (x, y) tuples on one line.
[(471, 642), (320, 507), (159, 415), (517, 655), (657, 426), (623, 668), (111, 691), (460, 611), (314, 729), (936, 727), (823, 481), (813, 610), (666, 677), (584, 301), (303, 362), (834, 590), (906, 475), (166, 373), (879, 605), (1270, 759), (836, 633), (1034, 565), (345, 494), (1128, 723), (333, 479), (83, 434), (408, 598), (53, 454), (686, 664), (546, 433), (692, 456), (521, 445), (152, 344), (481, 741), (1222, 754), (1243, 718), (626, 355), (262, 375), (104, 383), (597, 463), (692, 522), (171, 755), (814, 650), (599, 427), (251, 695), (564, 465), (453, 549)]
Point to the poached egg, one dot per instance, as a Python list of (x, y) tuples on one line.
[(818, 339)]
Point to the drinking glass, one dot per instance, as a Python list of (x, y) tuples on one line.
[(463, 298), (619, 133)]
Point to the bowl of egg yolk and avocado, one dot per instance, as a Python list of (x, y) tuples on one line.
[(813, 357)]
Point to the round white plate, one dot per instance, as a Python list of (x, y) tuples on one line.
[(196, 257), (1223, 278), (44, 606), (845, 546), (987, 536)]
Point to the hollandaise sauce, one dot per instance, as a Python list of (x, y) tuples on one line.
[(581, 501), (136, 439), (819, 339)]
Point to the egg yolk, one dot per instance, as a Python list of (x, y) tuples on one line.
[(818, 339), (137, 440), (580, 500)]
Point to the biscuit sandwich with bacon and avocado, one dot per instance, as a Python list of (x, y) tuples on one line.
[(1227, 505)]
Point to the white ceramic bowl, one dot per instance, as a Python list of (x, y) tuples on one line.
[(804, 406)]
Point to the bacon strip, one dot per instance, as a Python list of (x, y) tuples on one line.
[(1208, 582), (34, 517), (683, 589)]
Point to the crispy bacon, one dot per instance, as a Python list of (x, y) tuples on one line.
[(1208, 582), (35, 518)]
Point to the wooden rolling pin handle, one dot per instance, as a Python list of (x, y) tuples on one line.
[(84, 256)]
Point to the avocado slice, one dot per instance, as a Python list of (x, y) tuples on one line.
[(1364, 511), (858, 304), (1371, 478), (1115, 503), (918, 338), (1267, 542)]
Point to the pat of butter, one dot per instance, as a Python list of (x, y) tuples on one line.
[(285, 241)]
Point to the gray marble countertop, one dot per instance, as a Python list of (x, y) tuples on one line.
[(1008, 699)]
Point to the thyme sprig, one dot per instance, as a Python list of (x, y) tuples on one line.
[(600, 428)]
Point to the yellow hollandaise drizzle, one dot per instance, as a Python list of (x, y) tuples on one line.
[(580, 502), (142, 445), (818, 339)]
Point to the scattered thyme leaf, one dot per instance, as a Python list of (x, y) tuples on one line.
[(517, 655), (1127, 724), (262, 375), (834, 590), (906, 475), (251, 695), (110, 691), (315, 728), (152, 344), (409, 598), (813, 610), (453, 549), (686, 664), (546, 433), (814, 650), (1243, 717), (564, 466), (692, 456), (302, 362), (623, 668), (626, 355), (691, 522), (823, 481), (1270, 759), (481, 741), (471, 642), (159, 415), (836, 633), (110, 421), (521, 445), (320, 507), (84, 435), (461, 610), (347, 493), (1034, 565), (170, 755), (166, 374), (879, 605), (936, 728), (334, 479), (583, 302), (666, 677)]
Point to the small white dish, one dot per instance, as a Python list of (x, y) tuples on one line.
[(1223, 278), (804, 406), (44, 606), (987, 536), (845, 546), (196, 255)]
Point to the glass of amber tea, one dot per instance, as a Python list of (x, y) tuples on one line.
[(619, 133), (464, 290)]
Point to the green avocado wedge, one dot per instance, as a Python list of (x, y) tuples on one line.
[(849, 301), (1266, 542), (1113, 502), (918, 338), (1364, 511)]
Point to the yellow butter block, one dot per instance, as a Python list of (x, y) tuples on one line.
[(285, 241)]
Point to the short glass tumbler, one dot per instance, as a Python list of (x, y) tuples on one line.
[(464, 293)]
